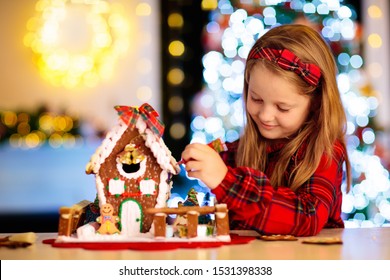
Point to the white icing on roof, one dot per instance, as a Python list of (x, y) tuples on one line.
[(155, 143), (105, 149)]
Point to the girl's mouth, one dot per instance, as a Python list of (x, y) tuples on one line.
[(267, 126)]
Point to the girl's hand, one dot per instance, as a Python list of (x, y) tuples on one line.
[(204, 163)]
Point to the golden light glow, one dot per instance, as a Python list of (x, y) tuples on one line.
[(15, 140), (23, 128), (209, 5), (375, 69), (144, 93), (23, 117), (176, 104), (32, 140), (62, 123), (55, 140), (177, 130), (69, 140), (143, 9), (46, 123), (374, 11), (176, 48), (375, 40), (77, 42), (175, 76), (52, 128), (10, 119), (175, 20)]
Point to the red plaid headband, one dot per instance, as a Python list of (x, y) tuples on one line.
[(287, 60), (130, 116)]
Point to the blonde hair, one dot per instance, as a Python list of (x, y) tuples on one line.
[(326, 122)]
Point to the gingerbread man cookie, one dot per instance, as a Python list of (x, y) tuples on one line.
[(107, 220), (278, 237)]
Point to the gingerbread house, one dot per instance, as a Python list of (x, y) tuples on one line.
[(133, 168)]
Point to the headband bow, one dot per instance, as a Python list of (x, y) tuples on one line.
[(287, 60), (130, 116)]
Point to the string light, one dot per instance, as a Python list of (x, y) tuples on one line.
[(30, 131), (175, 20)]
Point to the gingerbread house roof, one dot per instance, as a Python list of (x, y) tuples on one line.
[(144, 119)]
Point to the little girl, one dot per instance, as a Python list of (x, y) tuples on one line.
[(284, 174)]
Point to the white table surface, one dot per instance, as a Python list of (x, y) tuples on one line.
[(358, 244)]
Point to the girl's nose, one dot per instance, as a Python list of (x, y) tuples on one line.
[(266, 114)]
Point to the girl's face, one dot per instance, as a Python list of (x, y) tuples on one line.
[(276, 105)]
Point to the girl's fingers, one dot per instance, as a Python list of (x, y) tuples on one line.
[(194, 151), (193, 174), (193, 165)]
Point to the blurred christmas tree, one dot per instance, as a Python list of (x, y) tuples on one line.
[(233, 28)]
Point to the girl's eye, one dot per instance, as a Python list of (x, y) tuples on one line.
[(255, 99), (283, 110)]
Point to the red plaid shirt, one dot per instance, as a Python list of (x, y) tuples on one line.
[(255, 205)]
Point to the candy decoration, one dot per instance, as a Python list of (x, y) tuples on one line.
[(218, 145)]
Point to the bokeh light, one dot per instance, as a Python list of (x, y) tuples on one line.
[(78, 43)]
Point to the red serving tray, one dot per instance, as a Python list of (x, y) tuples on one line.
[(155, 245)]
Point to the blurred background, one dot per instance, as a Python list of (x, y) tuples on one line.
[(66, 63)]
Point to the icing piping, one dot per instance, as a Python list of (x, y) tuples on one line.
[(157, 146), (100, 191), (129, 223), (164, 190), (134, 175)]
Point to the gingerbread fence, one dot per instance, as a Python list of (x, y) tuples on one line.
[(192, 212)]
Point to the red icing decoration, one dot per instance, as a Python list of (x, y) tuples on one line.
[(149, 246), (129, 194)]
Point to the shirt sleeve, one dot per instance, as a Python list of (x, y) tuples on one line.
[(254, 204)]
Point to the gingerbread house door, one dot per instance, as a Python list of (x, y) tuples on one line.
[(131, 217)]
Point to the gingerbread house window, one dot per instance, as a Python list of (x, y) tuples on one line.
[(116, 186), (131, 162), (148, 186)]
